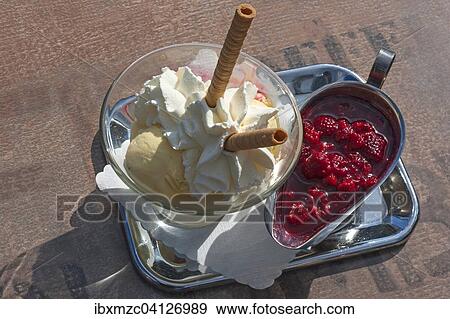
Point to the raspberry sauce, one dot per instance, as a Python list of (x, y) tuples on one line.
[(345, 151)]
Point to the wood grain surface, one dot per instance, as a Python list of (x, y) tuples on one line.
[(58, 59)]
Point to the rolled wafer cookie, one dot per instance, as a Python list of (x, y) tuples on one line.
[(230, 51), (255, 139)]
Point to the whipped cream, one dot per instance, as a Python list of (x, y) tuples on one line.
[(175, 100)]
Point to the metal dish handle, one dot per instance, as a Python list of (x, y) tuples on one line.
[(381, 67)]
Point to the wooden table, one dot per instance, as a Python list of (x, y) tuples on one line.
[(58, 58)]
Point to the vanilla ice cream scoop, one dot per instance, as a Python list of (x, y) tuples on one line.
[(196, 133), (153, 163)]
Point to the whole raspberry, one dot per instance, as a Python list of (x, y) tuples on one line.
[(310, 134), (342, 169), (366, 168), (317, 165), (359, 161), (356, 175), (305, 153), (374, 146), (347, 185), (324, 146), (355, 141), (307, 125), (316, 192), (297, 215), (297, 208), (335, 158), (326, 124), (338, 164), (370, 181), (362, 127), (343, 131), (331, 180), (324, 209)]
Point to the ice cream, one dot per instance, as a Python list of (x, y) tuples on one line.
[(179, 127), (154, 164)]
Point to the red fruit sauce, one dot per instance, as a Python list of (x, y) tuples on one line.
[(345, 151)]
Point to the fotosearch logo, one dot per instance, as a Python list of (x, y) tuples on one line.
[(99, 207), (198, 208)]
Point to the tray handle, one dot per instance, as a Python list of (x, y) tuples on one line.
[(380, 68)]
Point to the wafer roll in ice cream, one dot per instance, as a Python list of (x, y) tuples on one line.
[(255, 139), (242, 20)]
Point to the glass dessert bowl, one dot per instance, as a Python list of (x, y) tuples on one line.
[(126, 133)]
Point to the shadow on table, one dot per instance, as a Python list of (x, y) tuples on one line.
[(92, 261)]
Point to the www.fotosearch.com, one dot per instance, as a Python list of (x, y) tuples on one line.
[(194, 308)]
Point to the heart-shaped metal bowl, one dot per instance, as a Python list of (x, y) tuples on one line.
[(388, 116)]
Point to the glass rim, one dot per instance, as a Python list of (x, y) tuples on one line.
[(251, 200)]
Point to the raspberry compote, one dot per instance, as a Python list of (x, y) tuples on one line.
[(345, 152)]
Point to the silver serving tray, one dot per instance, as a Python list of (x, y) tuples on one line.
[(386, 218)]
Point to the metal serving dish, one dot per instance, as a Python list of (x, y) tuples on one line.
[(385, 219), (371, 99)]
